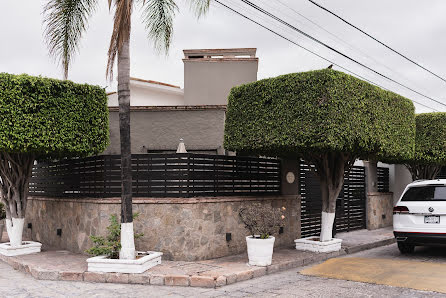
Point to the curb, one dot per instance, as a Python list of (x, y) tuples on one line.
[(185, 280)]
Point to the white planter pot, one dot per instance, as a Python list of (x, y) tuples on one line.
[(146, 261), (27, 247), (260, 251), (313, 244)]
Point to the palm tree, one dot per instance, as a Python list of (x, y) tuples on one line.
[(66, 21)]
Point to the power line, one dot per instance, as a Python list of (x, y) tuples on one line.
[(256, 7), (375, 39), (364, 54), (308, 50)]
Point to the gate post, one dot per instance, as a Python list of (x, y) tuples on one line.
[(379, 205), (290, 189)]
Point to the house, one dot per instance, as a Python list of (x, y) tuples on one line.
[(162, 114), (192, 216)]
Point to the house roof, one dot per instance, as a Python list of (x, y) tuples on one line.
[(151, 83), (172, 108), (154, 82)]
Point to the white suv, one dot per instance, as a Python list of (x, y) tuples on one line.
[(419, 217)]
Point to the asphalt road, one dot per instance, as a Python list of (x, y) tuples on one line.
[(285, 284)]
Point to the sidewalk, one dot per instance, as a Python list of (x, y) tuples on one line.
[(63, 265)]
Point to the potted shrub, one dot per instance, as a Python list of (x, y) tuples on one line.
[(2, 220), (262, 221), (105, 252)]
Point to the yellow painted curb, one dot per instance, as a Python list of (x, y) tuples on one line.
[(398, 273)]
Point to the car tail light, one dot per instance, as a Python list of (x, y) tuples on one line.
[(400, 209)]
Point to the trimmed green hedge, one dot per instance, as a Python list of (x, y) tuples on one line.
[(319, 111), (430, 139), (51, 117)]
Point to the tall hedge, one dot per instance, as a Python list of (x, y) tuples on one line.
[(319, 111), (430, 140), (51, 117)]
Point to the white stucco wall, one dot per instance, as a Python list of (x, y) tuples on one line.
[(145, 94)]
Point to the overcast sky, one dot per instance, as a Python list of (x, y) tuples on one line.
[(415, 28)]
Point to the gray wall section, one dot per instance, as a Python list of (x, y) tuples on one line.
[(209, 82), (402, 178), (162, 130)]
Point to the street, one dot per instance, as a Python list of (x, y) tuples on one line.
[(285, 284)]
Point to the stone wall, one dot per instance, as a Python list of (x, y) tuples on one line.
[(183, 229), (379, 210)]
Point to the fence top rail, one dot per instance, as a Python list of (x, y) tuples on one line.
[(168, 156)]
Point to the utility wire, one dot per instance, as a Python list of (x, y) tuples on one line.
[(308, 50), (256, 7), (375, 39), (364, 54)]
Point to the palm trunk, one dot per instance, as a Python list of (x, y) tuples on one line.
[(127, 239)]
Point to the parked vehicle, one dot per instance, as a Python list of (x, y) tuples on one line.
[(419, 217)]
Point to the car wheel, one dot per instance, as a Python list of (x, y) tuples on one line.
[(406, 248)]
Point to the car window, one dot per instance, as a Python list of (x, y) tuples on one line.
[(425, 193)]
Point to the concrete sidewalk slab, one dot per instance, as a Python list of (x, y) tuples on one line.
[(63, 265)]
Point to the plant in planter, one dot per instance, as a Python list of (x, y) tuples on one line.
[(106, 251), (42, 118), (262, 221), (110, 245), (327, 118)]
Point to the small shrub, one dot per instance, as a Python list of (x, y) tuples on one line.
[(111, 244), (261, 220)]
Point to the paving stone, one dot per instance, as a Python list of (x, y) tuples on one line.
[(244, 275), (176, 280), (221, 281), (202, 281), (38, 273), (231, 278), (94, 276), (71, 276), (142, 279), (258, 271), (273, 268), (117, 278), (157, 280)]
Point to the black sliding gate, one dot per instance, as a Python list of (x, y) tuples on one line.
[(350, 206)]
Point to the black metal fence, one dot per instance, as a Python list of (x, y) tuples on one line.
[(351, 203), (158, 175), (383, 179), (350, 206)]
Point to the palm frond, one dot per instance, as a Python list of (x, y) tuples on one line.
[(65, 21), (158, 17), (121, 31), (200, 7)]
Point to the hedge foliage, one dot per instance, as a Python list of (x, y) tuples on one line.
[(49, 117), (430, 139), (319, 111)]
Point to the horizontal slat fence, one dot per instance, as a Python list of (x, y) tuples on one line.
[(350, 206), (158, 175), (383, 179)]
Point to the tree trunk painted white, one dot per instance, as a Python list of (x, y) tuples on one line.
[(14, 228), (127, 251), (327, 226)]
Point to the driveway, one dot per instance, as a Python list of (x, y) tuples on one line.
[(423, 270), (285, 284)]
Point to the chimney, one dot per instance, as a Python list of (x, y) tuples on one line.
[(210, 74)]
